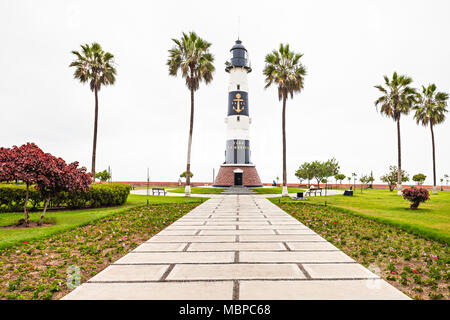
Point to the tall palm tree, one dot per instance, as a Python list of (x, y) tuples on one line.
[(95, 66), (430, 110), (284, 69), (397, 99), (191, 56)]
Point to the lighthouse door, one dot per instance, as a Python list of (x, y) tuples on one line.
[(238, 178)]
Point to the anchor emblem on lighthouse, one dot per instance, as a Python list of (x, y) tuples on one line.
[(238, 102)]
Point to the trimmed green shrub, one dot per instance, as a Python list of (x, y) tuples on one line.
[(12, 197)]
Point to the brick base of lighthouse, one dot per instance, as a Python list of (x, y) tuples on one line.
[(225, 177)]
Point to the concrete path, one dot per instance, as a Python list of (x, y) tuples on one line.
[(236, 247)]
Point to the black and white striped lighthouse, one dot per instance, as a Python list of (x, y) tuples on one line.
[(237, 168)]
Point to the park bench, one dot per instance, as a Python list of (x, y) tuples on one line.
[(309, 192), (159, 191)]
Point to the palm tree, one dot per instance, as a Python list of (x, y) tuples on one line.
[(95, 66), (397, 99), (191, 56), (430, 110), (284, 69)]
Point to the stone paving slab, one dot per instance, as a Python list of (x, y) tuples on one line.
[(282, 237), (158, 238), (176, 257), (128, 273), (295, 256), (338, 271), (160, 247), (200, 290), (319, 290), (236, 247), (235, 272), (312, 246), (235, 232)]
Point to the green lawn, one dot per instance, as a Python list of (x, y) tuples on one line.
[(276, 190), (431, 220), (68, 219)]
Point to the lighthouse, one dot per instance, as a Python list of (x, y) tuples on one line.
[(237, 169)]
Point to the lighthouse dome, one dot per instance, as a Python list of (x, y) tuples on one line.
[(239, 57)]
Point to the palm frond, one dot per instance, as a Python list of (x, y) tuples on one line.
[(283, 68), (190, 55), (94, 65)]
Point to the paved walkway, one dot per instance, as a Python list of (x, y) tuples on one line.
[(236, 247)]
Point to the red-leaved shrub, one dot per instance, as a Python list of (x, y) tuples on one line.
[(415, 196)]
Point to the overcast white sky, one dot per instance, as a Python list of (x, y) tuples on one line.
[(144, 118)]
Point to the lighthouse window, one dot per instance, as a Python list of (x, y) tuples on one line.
[(238, 118), (239, 87)]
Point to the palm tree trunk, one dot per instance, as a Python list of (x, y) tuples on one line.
[(434, 159), (43, 211), (94, 148), (399, 173), (187, 188), (285, 190)]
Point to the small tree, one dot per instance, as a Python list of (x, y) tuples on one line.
[(339, 177), (305, 172), (27, 162), (419, 178), (103, 175), (365, 179), (446, 179), (442, 181), (56, 177), (349, 179), (416, 196), (183, 175), (391, 178), (325, 169)]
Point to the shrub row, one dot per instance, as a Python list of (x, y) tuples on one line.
[(12, 197)]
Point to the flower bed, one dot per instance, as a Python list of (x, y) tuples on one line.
[(418, 267), (39, 269)]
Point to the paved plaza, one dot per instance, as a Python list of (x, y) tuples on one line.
[(236, 247)]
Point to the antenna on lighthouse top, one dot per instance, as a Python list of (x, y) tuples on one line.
[(239, 25)]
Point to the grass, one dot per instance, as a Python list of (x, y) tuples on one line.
[(40, 269), (69, 219), (417, 266), (431, 220), (276, 190)]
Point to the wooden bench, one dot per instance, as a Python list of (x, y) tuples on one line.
[(309, 192), (159, 191)]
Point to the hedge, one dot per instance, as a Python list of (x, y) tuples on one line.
[(12, 197)]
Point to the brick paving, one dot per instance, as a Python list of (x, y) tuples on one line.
[(236, 247)]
